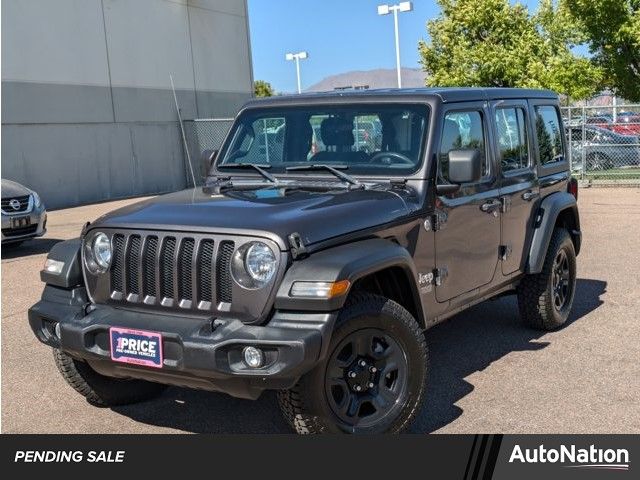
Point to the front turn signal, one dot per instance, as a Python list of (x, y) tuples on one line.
[(320, 289)]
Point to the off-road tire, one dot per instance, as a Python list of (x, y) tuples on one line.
[(102, 391), (305, 406), (535, 292)]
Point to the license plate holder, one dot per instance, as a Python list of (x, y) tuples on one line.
[(137, 347), (20, 222)]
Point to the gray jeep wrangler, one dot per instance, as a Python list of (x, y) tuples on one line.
[(311, 265)]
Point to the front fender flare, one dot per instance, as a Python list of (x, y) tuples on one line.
[(67, 252), (346, 262)]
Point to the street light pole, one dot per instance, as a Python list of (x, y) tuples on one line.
[(298, 73), (395, 27), (297, 57), (385, 10)]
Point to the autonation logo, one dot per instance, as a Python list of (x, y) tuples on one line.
[(574, 457)]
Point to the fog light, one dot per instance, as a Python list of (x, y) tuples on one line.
[(56, 330), (53, 266), (253, 357)]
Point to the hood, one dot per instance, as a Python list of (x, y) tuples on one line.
[(12, 189), (275, 213)]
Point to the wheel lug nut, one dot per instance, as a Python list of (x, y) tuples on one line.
[(370, 385), (357, 388), (352, 374), (373, 369), (363, 363)]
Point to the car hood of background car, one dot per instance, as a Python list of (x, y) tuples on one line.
[(315, 216), (13, 189)]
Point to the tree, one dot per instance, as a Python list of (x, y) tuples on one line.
[(262, 89), (493, 43), (612, 28)]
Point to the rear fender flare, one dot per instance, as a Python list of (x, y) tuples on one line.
[(561, 203)]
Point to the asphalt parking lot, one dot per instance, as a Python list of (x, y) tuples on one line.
[(489, 373)]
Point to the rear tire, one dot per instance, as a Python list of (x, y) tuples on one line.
[(545, 299), (102, 391), (373, 378)]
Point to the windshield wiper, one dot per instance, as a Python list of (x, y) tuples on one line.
[(260, 169), (341, 175)]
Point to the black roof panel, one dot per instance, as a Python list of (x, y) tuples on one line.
[(445, 95)]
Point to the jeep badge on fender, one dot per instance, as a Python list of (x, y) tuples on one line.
[(331, 232)]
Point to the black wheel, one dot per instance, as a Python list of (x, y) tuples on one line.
[(373, 379), (103, 391), (545, 299), (598, 162)]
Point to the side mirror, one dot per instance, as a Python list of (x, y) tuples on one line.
[(465, 166)]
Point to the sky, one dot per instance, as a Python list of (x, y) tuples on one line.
[(339, 35)]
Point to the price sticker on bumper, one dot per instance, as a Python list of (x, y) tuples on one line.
[(137, 347)]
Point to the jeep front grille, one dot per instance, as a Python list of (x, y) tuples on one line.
[(171, 270), (224, 264)]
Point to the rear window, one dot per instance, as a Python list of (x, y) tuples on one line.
[(512, 138), (549, 135)]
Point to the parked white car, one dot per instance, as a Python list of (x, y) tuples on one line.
[(23, 213)]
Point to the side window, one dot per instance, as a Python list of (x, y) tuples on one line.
[(512, 138), (461, 130), (549, 135)]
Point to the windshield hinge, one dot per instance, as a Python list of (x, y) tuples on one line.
[(298, 250), (216, 187)]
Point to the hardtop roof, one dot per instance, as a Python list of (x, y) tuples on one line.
[(442, 94)]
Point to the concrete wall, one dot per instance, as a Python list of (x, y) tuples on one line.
[(88, 113)]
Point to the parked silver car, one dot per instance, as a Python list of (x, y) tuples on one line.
[(23, 213), (601, 148)]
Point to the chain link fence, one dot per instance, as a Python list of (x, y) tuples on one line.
[(604, 143), (204, 134)]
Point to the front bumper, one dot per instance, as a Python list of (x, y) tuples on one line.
[(198, 353), (37, 226)]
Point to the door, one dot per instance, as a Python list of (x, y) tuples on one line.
[(519, 190), (468, 235)]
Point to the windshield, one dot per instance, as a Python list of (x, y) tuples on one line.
[(374, 139)]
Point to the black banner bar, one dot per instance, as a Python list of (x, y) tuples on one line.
[(464, 457)]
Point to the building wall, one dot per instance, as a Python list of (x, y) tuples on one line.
[(88, 113)]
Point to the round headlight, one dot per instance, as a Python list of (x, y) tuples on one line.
[(98, 253), (260, 262), (254, 265), (102, 250)]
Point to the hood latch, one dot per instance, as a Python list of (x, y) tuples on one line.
[(298, 250)]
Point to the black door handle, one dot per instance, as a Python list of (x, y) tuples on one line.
[(491, 207), (530, 195)]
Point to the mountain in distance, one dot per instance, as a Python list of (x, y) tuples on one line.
[(378, 78)]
